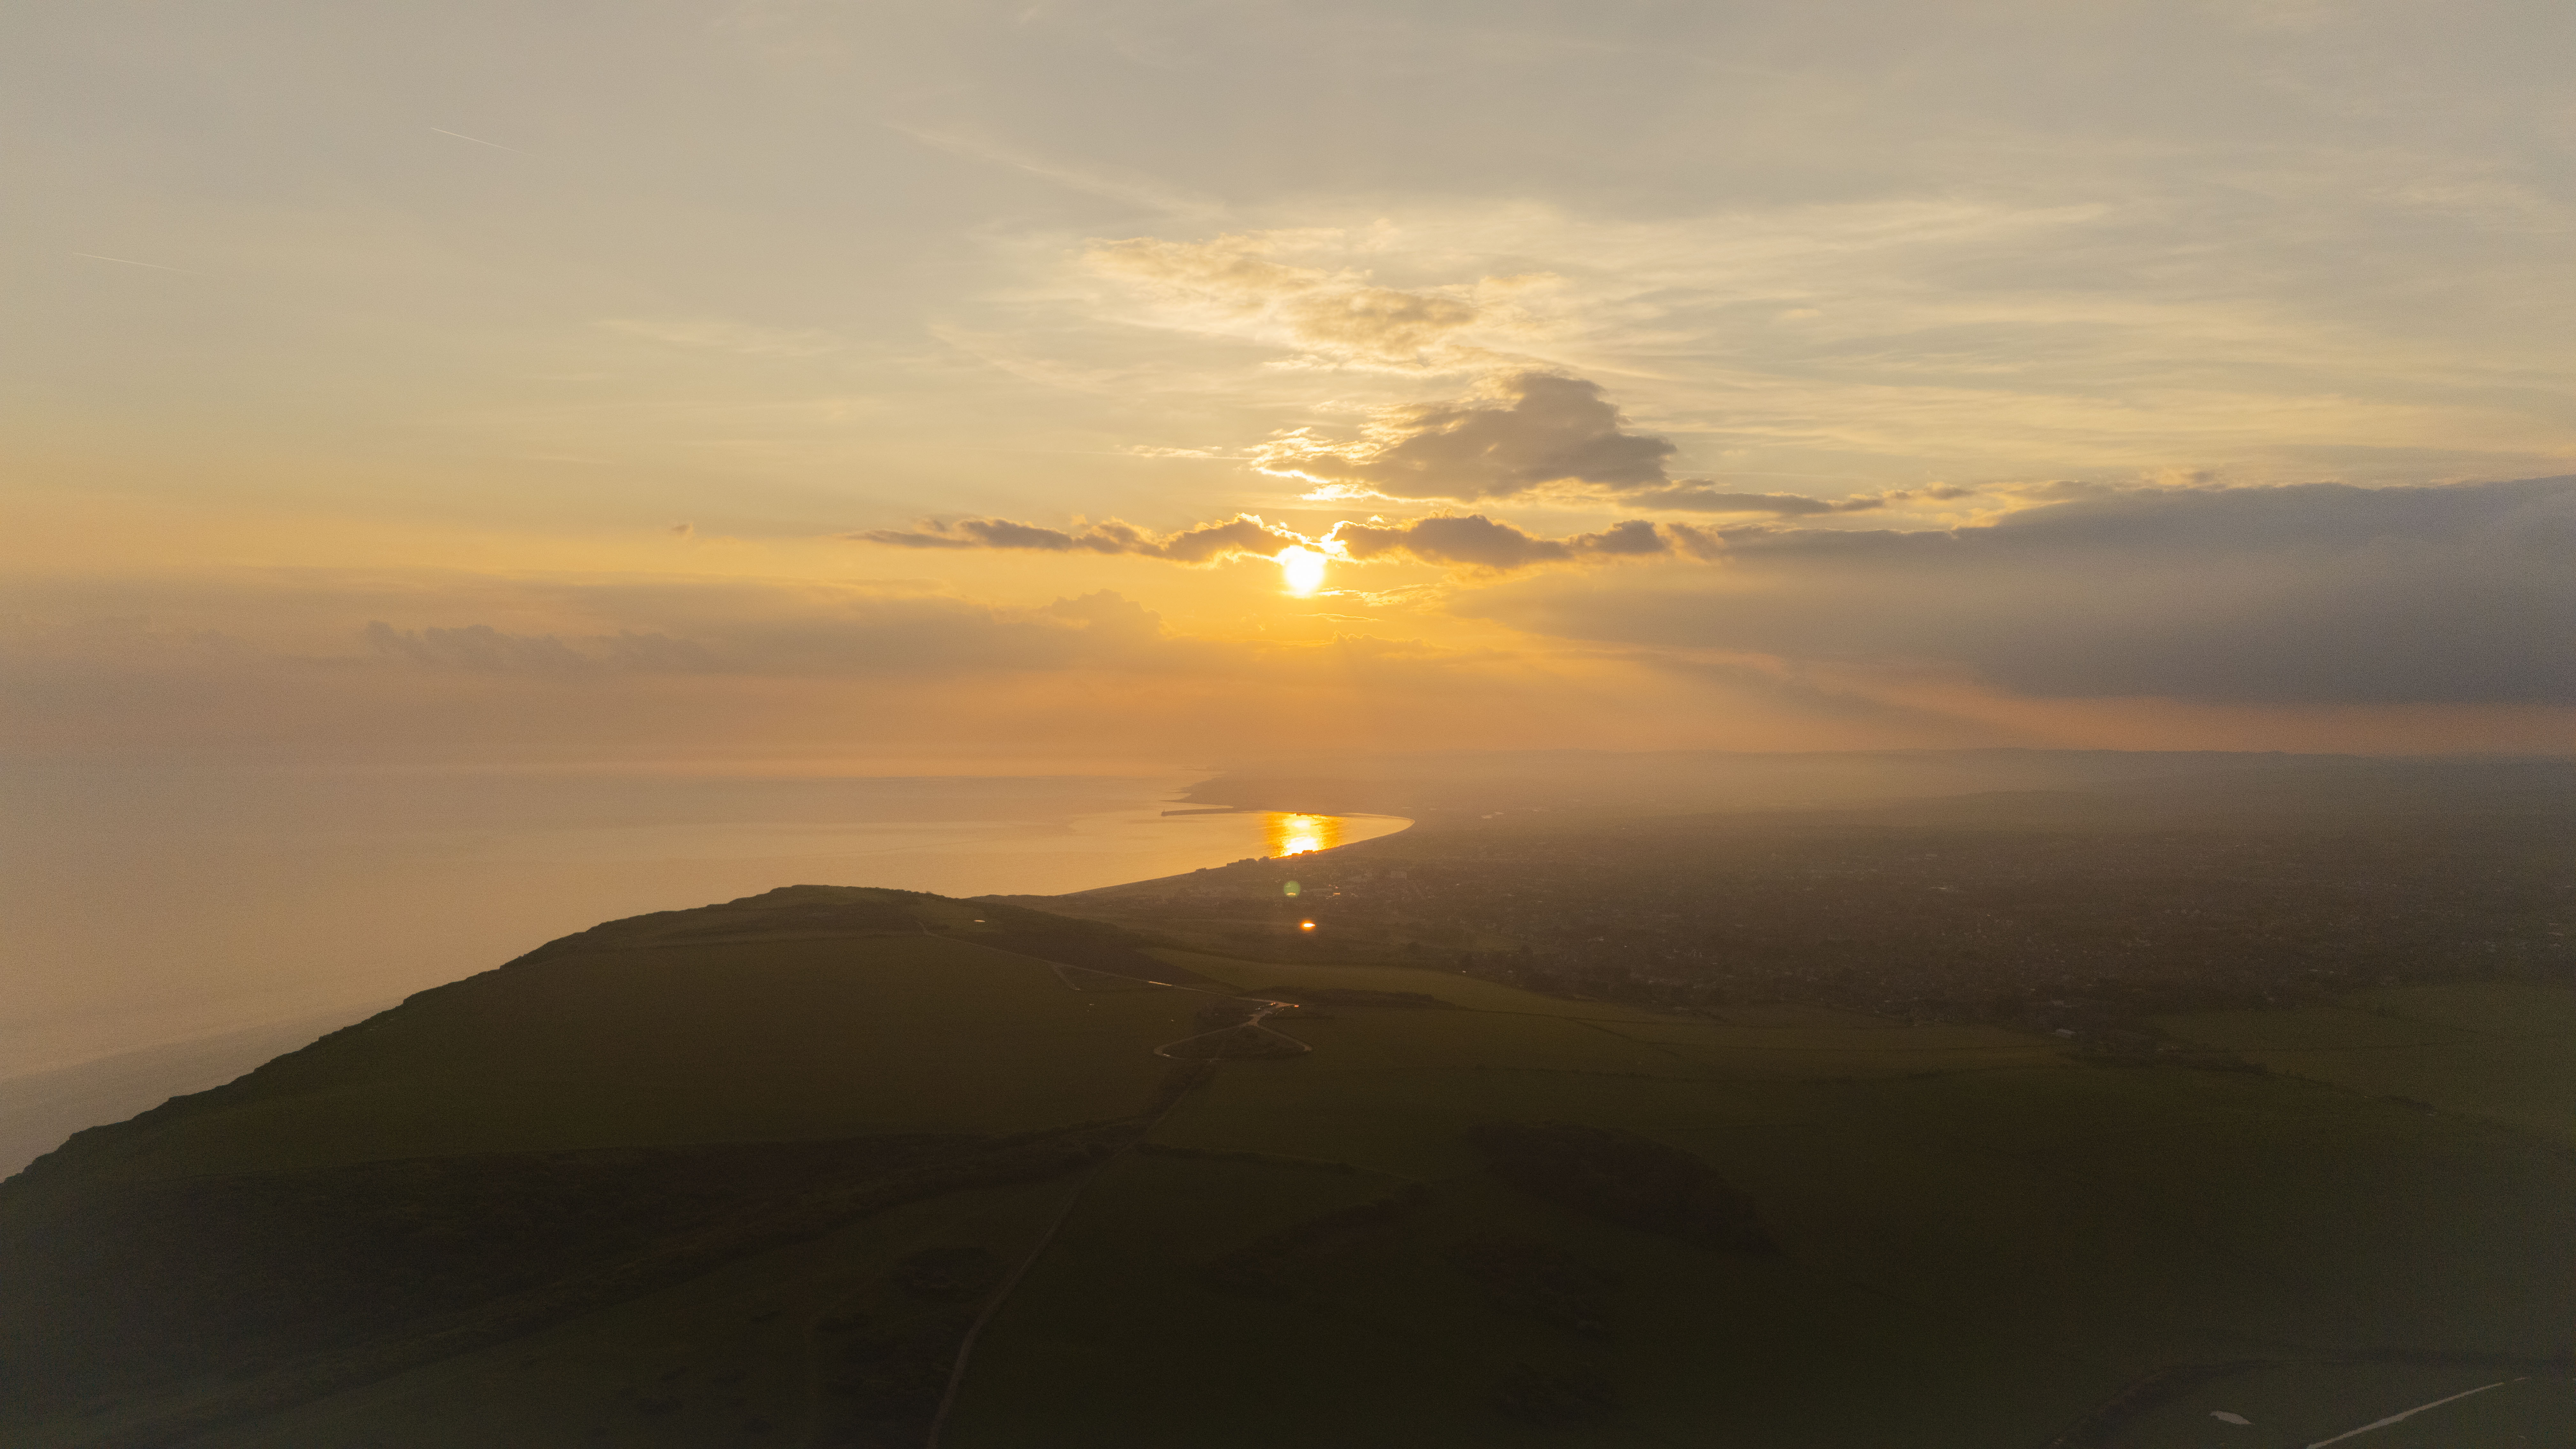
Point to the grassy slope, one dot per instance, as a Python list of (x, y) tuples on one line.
[(1981, 1237), (745, 1355), (675, 1035), (810, 1016), (680, 1044), (2504, 1053)]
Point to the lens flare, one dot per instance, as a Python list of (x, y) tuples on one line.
[(1302, 569)]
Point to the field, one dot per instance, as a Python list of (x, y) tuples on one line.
[(756, 1352), (745, 1176), (1982, 1240), (2498, 1052)]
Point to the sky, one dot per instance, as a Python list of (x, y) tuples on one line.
[(777, 387)]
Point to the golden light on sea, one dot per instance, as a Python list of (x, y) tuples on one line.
[(1302, 569), (1287, 834)]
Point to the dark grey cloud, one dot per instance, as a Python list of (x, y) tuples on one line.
[(1524, 431), (1475, 541), (1519, 431), (2317, 593), (1206, 543)]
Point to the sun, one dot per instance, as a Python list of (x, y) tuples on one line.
[(1302, 569)]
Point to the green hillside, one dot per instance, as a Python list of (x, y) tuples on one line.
[(749, 1174)]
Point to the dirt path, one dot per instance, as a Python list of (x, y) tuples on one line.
[(1002, 1295), (809, 1419), (1254, 1021)]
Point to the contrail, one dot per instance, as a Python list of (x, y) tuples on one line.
[(477, 140), (130, 262)]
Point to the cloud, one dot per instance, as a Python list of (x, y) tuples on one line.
[(482, 649), (551, 633), (1518, 431), (133, 638), (1702, 498), (866, 633), (1340, 318), (1882, 338), (468, 669), (1244, 534), (1474, 541), (1111, 183), (1697, 497), (2297, 594), (1523, 431), (1468, 541)]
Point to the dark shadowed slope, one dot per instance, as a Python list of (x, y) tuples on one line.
[(616, 1110)]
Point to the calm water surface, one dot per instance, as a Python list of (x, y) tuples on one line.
[(148, 907)]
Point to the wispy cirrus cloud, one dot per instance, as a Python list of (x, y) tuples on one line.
[(1324, 316)]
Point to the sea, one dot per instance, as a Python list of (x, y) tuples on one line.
[(164, 929)]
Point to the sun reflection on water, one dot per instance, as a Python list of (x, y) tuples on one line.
[(1286, 834)]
